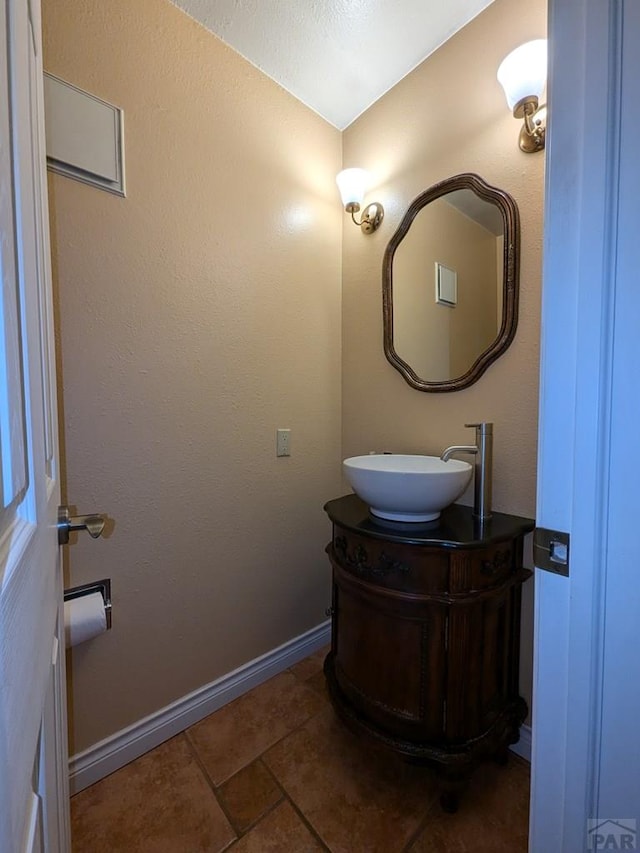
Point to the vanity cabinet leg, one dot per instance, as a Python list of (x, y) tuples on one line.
[(452, 786)]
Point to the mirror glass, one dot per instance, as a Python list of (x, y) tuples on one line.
[(450, 284)]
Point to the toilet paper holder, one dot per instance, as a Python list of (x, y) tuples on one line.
[(103, 587)]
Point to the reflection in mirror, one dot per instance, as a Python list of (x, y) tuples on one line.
[(450, 284), (457, 241)]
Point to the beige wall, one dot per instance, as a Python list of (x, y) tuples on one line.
[(448, 116), (195, 317)]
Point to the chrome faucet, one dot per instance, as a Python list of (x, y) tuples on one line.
[(483, 451)]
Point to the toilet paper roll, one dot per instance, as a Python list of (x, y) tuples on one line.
[(84, 618)]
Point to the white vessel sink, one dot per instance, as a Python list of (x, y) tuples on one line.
[(407, 488)]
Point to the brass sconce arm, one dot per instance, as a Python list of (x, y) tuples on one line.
[(371, 218), (533, 132)]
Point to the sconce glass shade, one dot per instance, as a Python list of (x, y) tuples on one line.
[(352, 184), (523, 73)]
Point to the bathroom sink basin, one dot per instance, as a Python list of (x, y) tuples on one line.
[(407, 488)]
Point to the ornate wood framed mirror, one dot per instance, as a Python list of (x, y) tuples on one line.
[(450, 284)]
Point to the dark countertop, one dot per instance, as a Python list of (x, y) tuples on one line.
[(456, 527)]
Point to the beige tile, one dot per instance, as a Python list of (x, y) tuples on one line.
[(281, 831), (238, 733), (319, 683), (355, 797), (493, 816), (248, 795), (311, 665), (160, 803)]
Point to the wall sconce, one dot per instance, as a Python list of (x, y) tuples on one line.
[(523, 76), (352, 184)]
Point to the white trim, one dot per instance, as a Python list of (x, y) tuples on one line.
[(523, 747), (119, 749), (580, 280)]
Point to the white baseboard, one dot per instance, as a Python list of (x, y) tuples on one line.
[(119, 749), (523, 747)]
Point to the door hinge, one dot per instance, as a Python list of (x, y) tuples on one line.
[(551, 551)]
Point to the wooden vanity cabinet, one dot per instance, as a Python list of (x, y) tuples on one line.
[(425, 637)]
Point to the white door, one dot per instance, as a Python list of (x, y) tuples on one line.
[(586, 731), (33, 755)]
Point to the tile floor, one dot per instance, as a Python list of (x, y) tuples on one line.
[(276, 771)]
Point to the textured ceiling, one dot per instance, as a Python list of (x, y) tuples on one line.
[(336, 56)]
